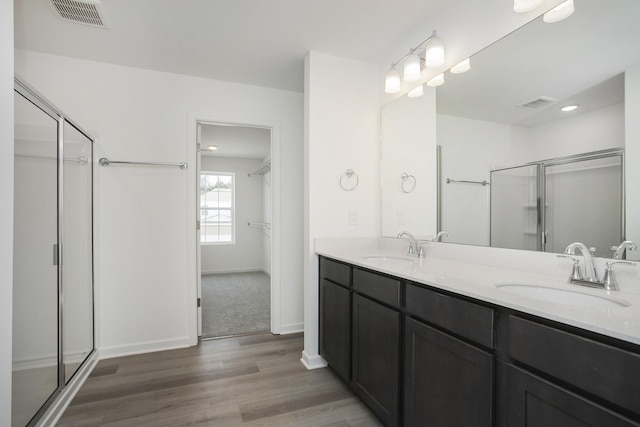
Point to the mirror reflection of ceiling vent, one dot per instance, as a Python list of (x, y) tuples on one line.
[(539, 102), (88, 12)]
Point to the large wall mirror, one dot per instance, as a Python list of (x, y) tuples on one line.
[(513, 170)]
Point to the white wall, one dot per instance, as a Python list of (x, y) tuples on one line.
[(341, 132), (632, 153), (246, 253), (266, 218), (470, 149), (146, 279), (408, 145), (594, 130), (6, 207)]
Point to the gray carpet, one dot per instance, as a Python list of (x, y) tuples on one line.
[(236, 303)]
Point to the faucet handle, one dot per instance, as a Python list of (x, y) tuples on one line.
[(575, 273), (420, 247), (609, 279)]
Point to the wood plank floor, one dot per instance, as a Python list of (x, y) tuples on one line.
[(255, 380)]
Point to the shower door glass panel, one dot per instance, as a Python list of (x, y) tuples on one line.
[(35, 279), (514, 208), (77, 268), (584, 204)]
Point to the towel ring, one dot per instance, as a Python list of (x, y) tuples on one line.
[(410, 179), (348, 175)]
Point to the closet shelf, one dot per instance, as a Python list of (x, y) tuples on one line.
[(262, 169)]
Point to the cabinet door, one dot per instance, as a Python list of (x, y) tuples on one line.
[(376, 350), (527, 400), (334, 327), (447, 381)]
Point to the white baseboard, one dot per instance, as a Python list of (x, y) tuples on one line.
[(143, 347), (313, 362), (59, 405), (291, 328), (35, 363)]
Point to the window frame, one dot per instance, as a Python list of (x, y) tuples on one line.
[(232, 209)]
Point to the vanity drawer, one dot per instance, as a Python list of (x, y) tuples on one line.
[(335, 271), (607, 372), (463, 318), (383, 288)]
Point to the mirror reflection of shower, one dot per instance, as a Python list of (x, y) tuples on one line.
[(547, 205)]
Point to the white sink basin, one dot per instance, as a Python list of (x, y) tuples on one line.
[(570, 296)]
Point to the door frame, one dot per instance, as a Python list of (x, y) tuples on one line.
[(193, 249)]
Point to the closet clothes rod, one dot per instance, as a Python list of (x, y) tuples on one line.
[(483, 183), (260, 224), (106, 162)]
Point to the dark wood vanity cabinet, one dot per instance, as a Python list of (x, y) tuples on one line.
[(420, 356), (376, 357), (554, 376), (335, 328), (335, 316), (376, 341), (448, 381), (525, 399)]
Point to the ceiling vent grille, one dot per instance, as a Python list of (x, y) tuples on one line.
[(539, 102), (88, 12)]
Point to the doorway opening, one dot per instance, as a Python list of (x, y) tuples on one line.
[(234, 210)]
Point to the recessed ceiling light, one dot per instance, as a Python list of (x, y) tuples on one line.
[(569, 108), (212, 147)]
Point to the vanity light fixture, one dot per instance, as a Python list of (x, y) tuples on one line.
[(568, 108), (434, 51), (212, 147), (462, 67), (416, 92), (560, 12), (525, 5), (433, 48), (411, 68), (436, 81), (392, 80)]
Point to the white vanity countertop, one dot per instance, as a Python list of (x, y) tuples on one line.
[(478, 279)]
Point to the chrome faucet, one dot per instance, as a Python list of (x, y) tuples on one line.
[(415, 245), (590, 273), (440, 235), (590, 276), (627, 245)]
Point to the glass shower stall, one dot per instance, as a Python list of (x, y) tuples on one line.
[(547, 205), (53, 295)]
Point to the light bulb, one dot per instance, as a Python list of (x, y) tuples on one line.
[(462, 67), (392, 81), (412, 68), (526, 5), (416, 92), (560, 12), (434, 52), (436, 81)]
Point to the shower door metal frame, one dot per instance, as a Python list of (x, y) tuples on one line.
[(542, 187), (47, 107)]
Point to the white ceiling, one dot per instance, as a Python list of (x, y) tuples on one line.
[(254, 42), (235, 141)]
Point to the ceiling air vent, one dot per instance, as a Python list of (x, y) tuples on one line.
[(88, 12), (539, 102)]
